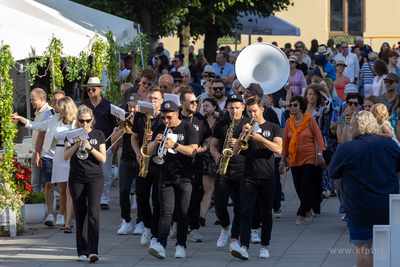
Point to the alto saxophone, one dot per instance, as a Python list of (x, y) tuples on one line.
[(144, 161), (227, 151)]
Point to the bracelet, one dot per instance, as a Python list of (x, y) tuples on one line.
[(90, 149), (281, 163)]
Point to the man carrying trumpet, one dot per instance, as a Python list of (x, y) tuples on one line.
[(176, 153), (260, 140)]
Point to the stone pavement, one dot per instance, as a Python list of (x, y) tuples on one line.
[(324, 242)]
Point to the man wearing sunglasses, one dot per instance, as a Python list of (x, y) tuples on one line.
[(105, 122), (219, 92), (224, 69), (189, 113), (176, 177), (177, 62), (231, 180), (350, 59), (166, 83), (147, 78), (390, 96)]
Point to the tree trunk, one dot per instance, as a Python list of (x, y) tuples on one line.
[(210, 44), (149, 27), (184, 41)]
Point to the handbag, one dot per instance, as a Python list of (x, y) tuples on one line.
[(326, 154)]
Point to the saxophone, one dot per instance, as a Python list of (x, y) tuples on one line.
[(144, 161), (227, 151)]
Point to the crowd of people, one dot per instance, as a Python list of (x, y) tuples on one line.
[(225, 142)]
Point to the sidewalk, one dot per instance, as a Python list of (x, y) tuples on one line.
[(324, 242)]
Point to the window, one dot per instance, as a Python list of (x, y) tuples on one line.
[(345, 17)]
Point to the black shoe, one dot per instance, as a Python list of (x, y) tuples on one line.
[(202, 221), (104, 207), (282, 196), (217, 222)]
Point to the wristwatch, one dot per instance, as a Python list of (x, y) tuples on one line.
[(319, 154), (176, 145)]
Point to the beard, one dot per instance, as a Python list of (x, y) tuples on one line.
[(218, 95)]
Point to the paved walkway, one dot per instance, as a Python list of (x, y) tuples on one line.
[(324, 242)]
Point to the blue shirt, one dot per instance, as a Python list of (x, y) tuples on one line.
[(398, 73), (368, 166), (226, 70), (196, 88), (330, 69), (104, 120)]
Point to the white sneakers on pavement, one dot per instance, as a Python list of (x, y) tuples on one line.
[(240, 253), (50, 220), (146, 237), (60, 220), (153, 241), (195, 236), (139, 229), (180, 252), (172, 233), (134, 203), (81, 258), (125, 227), (223, 237), (157, 251), (254, 237), (264, 254), (93, 258)]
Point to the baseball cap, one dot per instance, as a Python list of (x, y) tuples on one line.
[(392, 76), (234, 98), (176, 74), (255, 89), (350, 88), (169, 106), (134, 98)]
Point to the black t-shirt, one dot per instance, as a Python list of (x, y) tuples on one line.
[(260, 161), (269, 115), (220, 130), (303, 67), (178, 165), (88, 170), (203, 130)]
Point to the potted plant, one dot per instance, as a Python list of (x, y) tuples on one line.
[(35, 208)]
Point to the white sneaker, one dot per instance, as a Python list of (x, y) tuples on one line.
[(234, 245), (60, 220), (157, 251), (240, 253), (50, 220), (195, 236), (134, 203), (223, 237), (125, 227), (146, 237), (180, 252), (93, 258), (172, 233), (254, 237), (81, 258), (264, 254), (139, 229), (153, 241)]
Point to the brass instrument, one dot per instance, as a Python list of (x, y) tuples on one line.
[(125, 126), (162, 150), (227, 151), (244, 140), (82, 153), (144, 161)]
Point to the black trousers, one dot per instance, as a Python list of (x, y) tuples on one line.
[(176, 195), (278, 186), (222, 189), (195, 200), (87, 217), (308, 184), (249, 191), (127, 174), (143, 189)]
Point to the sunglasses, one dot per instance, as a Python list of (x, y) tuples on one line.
[(167, 117), (222, 69), (149, 84), (155, 99), (175, 61), (91, 90), (177, 81), (83, 121), (345, 47), (353, 103), (248, 95), (193, 102), (218, 88), (298, 46), (295, 105), (388, 81), (163, 86)]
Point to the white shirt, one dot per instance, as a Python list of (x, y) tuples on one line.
[(353, 68), (38, 115), (376, 86), (46, 116)]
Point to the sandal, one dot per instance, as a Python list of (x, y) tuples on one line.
[(63, 227), (333, 194), (67, 230)]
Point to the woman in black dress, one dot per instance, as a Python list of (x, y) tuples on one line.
[(86, 182)]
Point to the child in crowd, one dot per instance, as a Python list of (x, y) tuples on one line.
[(326, 68), (381, 114)]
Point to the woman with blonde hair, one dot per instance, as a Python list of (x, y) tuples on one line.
[(381, 115), (55, 128)]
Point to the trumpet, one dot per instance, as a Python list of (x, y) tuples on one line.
[(125, 126), (244, 140), (162, 150)]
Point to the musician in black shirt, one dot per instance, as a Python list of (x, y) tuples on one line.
[(144, 185), (231, 180), (258, 177), (178, 145)]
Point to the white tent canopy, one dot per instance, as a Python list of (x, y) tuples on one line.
[(27, 25), (272, 25)]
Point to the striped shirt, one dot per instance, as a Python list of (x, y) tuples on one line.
[(367, 71), (299, 82)]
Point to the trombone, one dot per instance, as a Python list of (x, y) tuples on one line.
[(125, 126), (244, 140), (161, 149)]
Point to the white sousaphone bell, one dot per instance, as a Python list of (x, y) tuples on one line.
[(264, 64)]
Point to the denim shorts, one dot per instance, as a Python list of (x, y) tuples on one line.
[(47, 165), (359, 234)]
